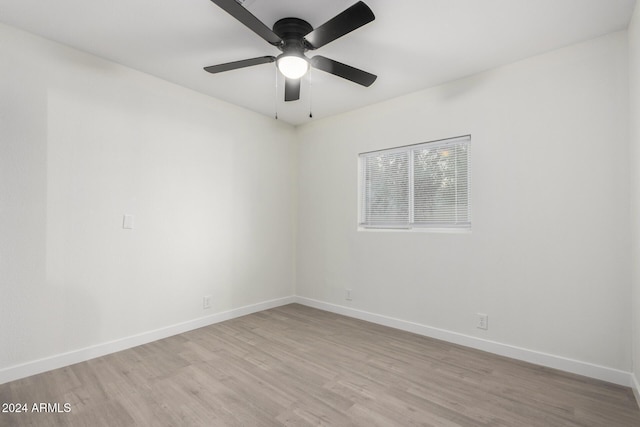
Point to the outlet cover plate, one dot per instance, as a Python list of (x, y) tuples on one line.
[(206, 301), (483, 321)]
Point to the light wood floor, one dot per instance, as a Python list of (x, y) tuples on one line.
[(299, 366)]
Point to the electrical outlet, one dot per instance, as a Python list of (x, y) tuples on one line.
[(206, 301), (347, 295), (483, 321)]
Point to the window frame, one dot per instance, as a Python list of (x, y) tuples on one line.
[(462, 226)]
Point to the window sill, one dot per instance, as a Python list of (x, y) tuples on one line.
[(417, 230)]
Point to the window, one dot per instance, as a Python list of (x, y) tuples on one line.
[(417, 186)]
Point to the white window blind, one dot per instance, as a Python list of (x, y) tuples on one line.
[(386, 192), (422, 185)]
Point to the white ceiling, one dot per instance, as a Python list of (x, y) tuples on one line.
[(412, 44)]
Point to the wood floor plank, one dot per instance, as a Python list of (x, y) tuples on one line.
[(298, 366)]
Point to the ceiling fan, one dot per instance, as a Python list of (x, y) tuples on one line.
[(294, 37)]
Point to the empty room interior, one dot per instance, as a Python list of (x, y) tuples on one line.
[(263, 213)]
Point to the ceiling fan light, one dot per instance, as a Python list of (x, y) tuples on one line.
[(292, 66)]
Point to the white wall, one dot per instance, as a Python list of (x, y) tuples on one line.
[(548, 258), (84, 141), (634, 91)]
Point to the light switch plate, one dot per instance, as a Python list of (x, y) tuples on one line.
[(127, 222)]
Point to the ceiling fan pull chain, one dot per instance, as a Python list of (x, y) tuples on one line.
[(310, 94), (275, 95)]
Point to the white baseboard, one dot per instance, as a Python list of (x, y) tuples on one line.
[(543, 359), (65, 359), (557, 362), (636, 387)]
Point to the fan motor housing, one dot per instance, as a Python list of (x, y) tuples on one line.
[(292, 32)]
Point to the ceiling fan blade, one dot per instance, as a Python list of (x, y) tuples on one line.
[(352, 18), (343, 70), (291, 89), (239, 64), (233, 8)]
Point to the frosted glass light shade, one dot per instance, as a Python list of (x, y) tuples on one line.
[(292, 67)]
